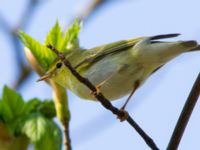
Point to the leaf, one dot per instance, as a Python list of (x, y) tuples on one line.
[(54, 37), (43, 55), (47, 109), (34, 127), (31, 105), (42, 132), (12, 104), (52, 139), (1, 112), (71, 37)]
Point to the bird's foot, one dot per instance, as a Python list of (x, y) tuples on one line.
[(123, 115), (98, 87)]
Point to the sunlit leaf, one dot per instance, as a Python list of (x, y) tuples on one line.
[(34, 127), (42, 132), (63, 42), (71, 36), (52, 139), (43, 55), (12, 104), (54, 37)]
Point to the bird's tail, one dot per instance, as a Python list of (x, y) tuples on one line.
[(153, 50), (195, 49)]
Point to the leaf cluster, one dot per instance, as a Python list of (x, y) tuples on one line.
[(63, 41), (32, 118)]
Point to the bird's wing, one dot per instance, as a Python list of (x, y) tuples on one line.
[(100, 52)]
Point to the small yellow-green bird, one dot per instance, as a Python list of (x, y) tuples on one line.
[(118, 68)]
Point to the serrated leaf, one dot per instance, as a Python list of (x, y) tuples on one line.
[(43, 55), (12, 104), (42, 132), (34, 127), (47, 109), (31, 106), (54, 37), (71, 37), (52, 139)]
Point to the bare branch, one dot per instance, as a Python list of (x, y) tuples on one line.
[(91, 9), (105, 102), (23, 69), (4, 24), (27, 14), (185, 115), (88, 11)]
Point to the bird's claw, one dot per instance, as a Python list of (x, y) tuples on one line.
[(97, 90), (123, 115)]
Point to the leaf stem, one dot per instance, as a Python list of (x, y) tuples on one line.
[(62, 111)]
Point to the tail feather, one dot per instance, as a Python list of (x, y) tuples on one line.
[(164, 36), (195, 49), (189, 44)]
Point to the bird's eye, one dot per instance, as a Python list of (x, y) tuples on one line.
[(58, 65)]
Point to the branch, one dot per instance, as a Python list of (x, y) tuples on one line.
[(4, 24), (59, 96), (185, 115), (105, 102), (91, 9), (27, 15), (23, 69), (62, 111), (88, 11)]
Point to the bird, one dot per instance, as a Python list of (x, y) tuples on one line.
[(117, 69)]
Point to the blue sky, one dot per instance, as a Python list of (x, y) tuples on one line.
[(155, 106)]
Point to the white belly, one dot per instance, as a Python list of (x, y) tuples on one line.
[(121, 74)]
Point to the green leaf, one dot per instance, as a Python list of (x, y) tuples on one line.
[(54, 37), (12, 104), (52, 139), (43, 55), (71, 36), (1, 112), (44, 133), (47, 109), (34, 127), (31, 106)]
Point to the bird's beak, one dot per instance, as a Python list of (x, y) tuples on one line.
[(44, 77)]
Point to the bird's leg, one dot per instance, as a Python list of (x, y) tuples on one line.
[(98, 87), (136, 85), (124, 115), (120, 68)]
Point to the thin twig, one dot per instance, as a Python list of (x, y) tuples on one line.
[(28, 13), (88, 11), (23, 69), (62, 111), (67, 140), (185, 115), (91, 9), (105, 102), (4, 25)]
